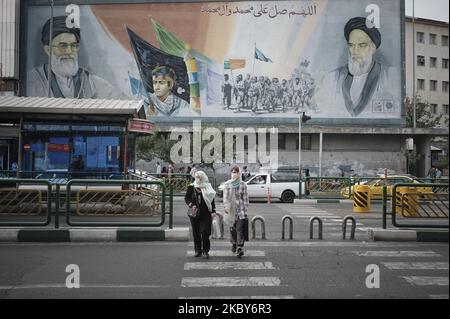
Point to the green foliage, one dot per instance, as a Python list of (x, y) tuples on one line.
[(156, 146), (424, 117)]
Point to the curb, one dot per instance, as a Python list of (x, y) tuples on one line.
[(377, 234), (93, 234), (323, 201)]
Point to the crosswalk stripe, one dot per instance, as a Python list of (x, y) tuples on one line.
[(323, 217), (426, 280), (439, 296), (313, 213), (228, 253), (416, 265), (229, 281), (261, 243), (228, 265), (241, 297), (384, 253)]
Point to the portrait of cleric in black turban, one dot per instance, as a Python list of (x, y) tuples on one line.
[(362, 87), (68, 80)]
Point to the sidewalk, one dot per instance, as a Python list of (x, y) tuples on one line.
[(397, 234)]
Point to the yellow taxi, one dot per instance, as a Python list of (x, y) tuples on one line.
[(376, 185)]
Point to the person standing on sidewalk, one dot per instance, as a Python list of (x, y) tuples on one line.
[(200, 194), (235, 202)]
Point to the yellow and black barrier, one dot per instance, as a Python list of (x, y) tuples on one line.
[(361, 199), (407, 199)]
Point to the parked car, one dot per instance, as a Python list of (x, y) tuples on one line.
[(280, 185), (376, 185)]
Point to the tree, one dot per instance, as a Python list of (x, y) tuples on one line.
[(424, 117), (156, 146)]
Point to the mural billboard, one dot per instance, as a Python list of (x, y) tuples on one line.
[(339, 59)]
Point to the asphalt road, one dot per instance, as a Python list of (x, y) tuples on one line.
[(271, 268)]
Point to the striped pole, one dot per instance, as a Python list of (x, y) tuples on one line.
[(194, 85)]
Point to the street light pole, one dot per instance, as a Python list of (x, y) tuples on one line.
[(414, 67), (49, 72), (300, 147)]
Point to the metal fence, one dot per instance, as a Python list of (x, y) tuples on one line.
[(328, 187), (420, 205), (89, 200), (33, 202), (25, 202)]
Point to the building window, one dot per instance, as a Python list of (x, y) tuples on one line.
[(281, 141), (445, 63), (445, 109), (306, 142), (445, 40), (420, 60), (445, 86), (433, 85), (433, 108), (433, 39), (420, 37), (433, 62), (420, 84)]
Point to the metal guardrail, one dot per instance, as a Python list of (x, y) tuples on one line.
[(311, 227), (126, 201), (263, 227), (179, 182), (291, 226), (428, 202), (327, 187), (344, 227), (21, 203)]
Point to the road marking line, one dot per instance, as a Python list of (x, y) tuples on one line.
[(426, 280), (54, 286), (385, 253), (228, 253), (229, 281), (228, 265), (416, 265), (241, 297)]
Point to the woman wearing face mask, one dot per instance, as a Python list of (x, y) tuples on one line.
[(200, 194), (235, 202)]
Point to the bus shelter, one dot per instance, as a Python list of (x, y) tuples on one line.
[(69, 138)]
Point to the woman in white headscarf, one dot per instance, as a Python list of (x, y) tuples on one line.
[(235, 203), (201, 195)]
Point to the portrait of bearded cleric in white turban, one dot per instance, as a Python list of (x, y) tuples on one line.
[(68, 79), (362, 87)]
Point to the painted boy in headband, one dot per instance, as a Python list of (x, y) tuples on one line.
[(164, 102)]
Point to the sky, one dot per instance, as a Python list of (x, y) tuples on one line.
[(428, 9)]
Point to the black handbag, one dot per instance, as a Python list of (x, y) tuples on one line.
[(194, 213)]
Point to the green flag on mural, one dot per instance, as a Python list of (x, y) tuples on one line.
[(168, 42), (208, 78)]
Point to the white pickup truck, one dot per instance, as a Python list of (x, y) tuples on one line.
[(261, 186)]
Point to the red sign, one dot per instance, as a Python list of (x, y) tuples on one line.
[(26, 147), (58, 147), (141, 126)]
